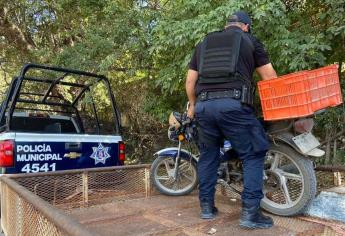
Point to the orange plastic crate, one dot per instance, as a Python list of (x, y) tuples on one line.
[(300, 94)]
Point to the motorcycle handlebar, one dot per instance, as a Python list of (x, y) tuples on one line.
[(187, 121)]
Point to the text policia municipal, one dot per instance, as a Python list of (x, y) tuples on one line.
[(36, 153)]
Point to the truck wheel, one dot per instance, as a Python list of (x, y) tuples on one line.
[(162, 176), (290, 181)]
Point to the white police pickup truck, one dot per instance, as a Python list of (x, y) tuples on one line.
[(57, 119)]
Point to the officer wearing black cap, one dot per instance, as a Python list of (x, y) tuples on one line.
[(220, 90)]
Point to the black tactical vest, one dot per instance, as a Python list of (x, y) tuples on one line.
[(219, 56)]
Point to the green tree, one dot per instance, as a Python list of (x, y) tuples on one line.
[(144, 46), (298, 35)]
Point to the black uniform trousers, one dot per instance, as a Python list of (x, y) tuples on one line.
[(228, 118)]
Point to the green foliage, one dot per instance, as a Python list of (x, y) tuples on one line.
[(144, 46), (294, 40), (162, 106)]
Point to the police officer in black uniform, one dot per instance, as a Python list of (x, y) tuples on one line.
[(220, 90)]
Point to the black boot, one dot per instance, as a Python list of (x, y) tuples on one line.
[(208, 211), (252, 218)]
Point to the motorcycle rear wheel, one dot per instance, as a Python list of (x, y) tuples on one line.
[(290, 183), (162, 170)]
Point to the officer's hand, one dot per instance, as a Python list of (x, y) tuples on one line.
[(190, 112)]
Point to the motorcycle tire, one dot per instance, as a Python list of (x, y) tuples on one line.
[(168, 188), (307, 178)]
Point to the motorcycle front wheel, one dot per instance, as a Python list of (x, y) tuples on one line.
[(162, 176), (290, 181)]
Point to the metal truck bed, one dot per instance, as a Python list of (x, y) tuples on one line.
[(162, 215), (120, 201)]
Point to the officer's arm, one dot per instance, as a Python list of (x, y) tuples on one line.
[(266, 72), (192, 77)]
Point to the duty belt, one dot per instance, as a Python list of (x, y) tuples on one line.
[(233, 93)]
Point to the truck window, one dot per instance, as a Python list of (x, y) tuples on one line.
[(42, 125)]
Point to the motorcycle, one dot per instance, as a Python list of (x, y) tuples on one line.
[(289, 176)]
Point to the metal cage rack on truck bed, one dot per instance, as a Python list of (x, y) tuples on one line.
[(18, 98), (120, 201)]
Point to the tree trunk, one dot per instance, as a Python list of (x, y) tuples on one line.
[(13, 33), (328, 147), (334, 160)]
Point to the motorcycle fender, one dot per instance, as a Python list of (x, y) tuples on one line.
[(286, 139), (173, 152)]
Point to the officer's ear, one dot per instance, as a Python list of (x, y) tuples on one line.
[(245, 28)]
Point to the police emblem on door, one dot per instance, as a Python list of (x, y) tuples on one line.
[(100, 154)]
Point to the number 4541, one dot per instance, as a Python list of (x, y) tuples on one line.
[(37, 167)]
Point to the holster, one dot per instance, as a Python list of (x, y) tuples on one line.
[(247, 95)]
